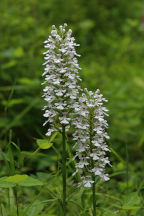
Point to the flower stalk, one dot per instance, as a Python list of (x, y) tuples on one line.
[(16, 198), (92, 165), (61, 87), (94, 196), (64, 168), (64, 107), (89, 137)]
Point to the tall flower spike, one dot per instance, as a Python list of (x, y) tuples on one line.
[(90, 137), (61, 78)]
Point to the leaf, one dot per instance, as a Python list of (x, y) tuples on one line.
[(17, 178), (10, 155), (53, 136), (117, 155), (5, 184), (130, 207), (19, 154), (35, 208), (87, 24), (20, 180), (44, 144), (28, 182), (131, 201), (12, 102), (18, 52), (29, 82), (3, 210), (11, 199), (6, 160), (10, 64), (110, 213)]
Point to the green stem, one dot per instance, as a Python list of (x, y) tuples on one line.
[(16, 197), (64, 169), (127, 167), (92, 165), (94, 197)]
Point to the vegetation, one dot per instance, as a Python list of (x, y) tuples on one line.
[(111, 37)]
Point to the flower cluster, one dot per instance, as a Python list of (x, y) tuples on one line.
[(64, 106), (90, 136), (61, 78)]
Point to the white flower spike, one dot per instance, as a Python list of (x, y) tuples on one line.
[(90, 136), (61, 78)]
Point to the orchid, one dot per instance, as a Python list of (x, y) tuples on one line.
[(90, 136), (61, 78), (61, 87), (65, 107)]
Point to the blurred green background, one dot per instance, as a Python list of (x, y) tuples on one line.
[(111, 37)]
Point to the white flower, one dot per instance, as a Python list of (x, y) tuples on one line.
[(90, 136), (87, 182), (61, 78), (64, 120)]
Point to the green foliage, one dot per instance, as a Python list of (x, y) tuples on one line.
[(43, 144), (46, 144), (19, 180), (5, 184), (35, 209)]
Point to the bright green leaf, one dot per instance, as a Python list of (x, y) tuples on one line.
[(5, 184), (16, 178), (28, 182), (53, 136), (130, 207), (18, 52), (44, 144)]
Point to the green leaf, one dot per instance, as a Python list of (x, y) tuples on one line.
[(20, 180), (110, 213), (131, 201), (3, 210), (16, 178), (117, 155), (11, 155), (87, 24), (130, 207), (53, 136), (10, 64), (18, 52), (5, 184), (19, 155), (12, 102), (44, 144), (28, 182), (35, 208), (11, 199), (6, 160)]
